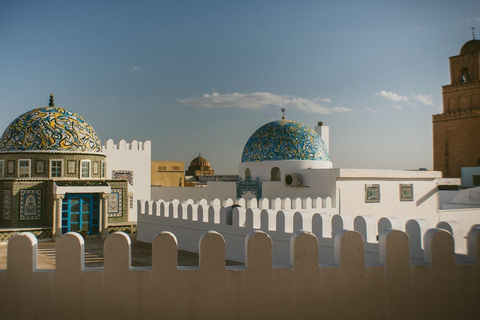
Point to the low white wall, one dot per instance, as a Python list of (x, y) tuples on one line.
[(190, 219), (437, 288)]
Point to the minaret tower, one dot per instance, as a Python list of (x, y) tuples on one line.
[(456, 131)]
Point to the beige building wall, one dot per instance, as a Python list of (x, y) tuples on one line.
[(168, 173)]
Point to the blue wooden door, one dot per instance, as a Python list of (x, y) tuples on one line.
[(80, 212)]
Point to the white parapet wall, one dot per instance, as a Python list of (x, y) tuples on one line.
[(131, 156), (435, 288), (281, 218)]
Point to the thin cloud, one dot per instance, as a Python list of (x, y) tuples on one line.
[(135, 69), (258, 100), (371, 110), (398, 107), (341, 109), (424, 98), (389, 95), (327, 100)]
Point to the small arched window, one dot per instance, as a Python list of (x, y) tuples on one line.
[(247, 173), (464, 76), (275, 174)]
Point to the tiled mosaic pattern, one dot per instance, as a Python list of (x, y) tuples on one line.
[(122, 185), (42, 160), (6, 235), (30, 204), (7, 195), (132, 228), (285, 140), (115, 201), (123, 174), (50, 128)]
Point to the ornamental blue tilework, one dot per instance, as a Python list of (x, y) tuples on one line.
[(50, 129), (285, 140)]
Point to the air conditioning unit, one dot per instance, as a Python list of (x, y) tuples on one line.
[(293, 180)]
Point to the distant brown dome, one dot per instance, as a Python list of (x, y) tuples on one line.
[(199, 167), (470, 47), (199, 162)]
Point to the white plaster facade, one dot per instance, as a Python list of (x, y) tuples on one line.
[(131, 156)]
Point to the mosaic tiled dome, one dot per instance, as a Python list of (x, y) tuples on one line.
[(285, 140), (50, 129)]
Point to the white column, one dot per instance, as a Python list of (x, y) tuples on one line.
[(57, 209), (104, 218)]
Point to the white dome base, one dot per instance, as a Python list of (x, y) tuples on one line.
[(262, 169)]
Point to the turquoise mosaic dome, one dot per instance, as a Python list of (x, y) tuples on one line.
[(285, 140), (50, 129)]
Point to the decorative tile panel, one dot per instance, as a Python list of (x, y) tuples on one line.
[(123, 174), (406, 192), (115, 201), (30, 204), (7, 196), (372, 193)]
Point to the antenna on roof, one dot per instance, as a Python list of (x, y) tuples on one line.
[(283, 113), (473, 32), (51, 103)]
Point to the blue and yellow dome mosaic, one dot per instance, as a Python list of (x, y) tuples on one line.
[(285, 140), (50, 129)]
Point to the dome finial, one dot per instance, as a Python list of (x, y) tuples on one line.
[(51, 103), (473, 32), (283, 113)]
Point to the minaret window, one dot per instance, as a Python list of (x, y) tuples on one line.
[(464, 76)]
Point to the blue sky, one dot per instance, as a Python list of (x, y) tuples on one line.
[(201, 76)]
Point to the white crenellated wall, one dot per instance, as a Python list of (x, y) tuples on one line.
[(435, 288), (134, 156), (280, 218)]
